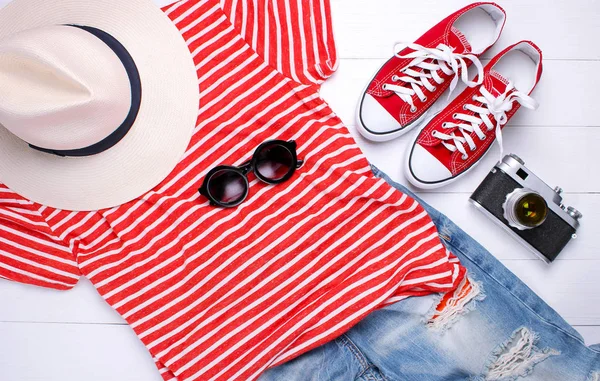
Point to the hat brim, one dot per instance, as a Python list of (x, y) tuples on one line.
[(162, 130)]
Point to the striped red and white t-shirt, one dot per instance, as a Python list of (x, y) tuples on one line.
[(223, 294)]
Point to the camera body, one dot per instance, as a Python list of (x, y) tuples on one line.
[(527, 208)]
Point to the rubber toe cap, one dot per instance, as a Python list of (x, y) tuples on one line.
[(426, 168), (375, 118)]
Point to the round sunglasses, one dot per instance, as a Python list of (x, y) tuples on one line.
[(273, 162)]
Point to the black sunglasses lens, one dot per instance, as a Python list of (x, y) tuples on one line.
[(274, 162), (227, 187)]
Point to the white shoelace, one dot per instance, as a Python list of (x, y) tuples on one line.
[(441, 58), (490, 105)]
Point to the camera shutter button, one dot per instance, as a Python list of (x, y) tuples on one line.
[(518, 159), (574, 213)]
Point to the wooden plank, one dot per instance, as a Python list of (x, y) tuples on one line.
[(564, 156), (570, 286), (83, 304), (563, 29), (590, 333), (65, 352), (56, 352), (561, 97)]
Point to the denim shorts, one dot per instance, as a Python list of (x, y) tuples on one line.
[(493, 328)]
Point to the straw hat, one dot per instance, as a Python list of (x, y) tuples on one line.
[(98, 100)]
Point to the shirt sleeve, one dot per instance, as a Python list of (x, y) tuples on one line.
[(293, 36), (29, 251)]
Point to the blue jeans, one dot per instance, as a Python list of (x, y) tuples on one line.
[(495, 328)]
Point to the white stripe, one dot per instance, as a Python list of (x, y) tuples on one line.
[(66, 219), (245, 94), (13, 201), (215, 52), (313, 28), (255, 28), (49, 243), (12, 215), (94, 229), (291, 42), (204, 31), (33, 276), (233, 13), (55, 213), (428, 278), (326, 27), (36, 264), (305, 65), (392, 300), (197, 21), (28, 212), (244, 19), (38, 253), (185, 14), (278, 36), (267, 42), (175, 6), (72, 228)]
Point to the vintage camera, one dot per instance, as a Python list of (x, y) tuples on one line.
[(527, 208)]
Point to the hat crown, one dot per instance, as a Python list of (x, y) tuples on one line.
[(61, 87)]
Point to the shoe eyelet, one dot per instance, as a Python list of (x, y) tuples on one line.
[(434, 89), (455, 116), (474, 98), (384, 87), (465, 107), (464, 157), (413, 109), (424, 100), (434, 134), (395, 78)]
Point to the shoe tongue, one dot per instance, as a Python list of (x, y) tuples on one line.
[(458, 41), (495, 83)]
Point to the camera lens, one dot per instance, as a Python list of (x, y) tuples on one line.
[(525, 209)]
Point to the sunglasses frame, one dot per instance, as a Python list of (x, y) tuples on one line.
[(250, 166)]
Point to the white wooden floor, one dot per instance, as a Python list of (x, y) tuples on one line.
[(47, 336)]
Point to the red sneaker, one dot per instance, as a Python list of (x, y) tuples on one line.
[(455, 140), (402, 92)]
